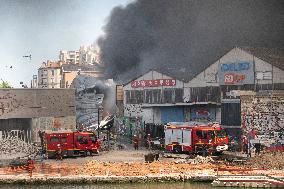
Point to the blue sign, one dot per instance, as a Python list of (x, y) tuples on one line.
[(235, 67), (236, 73)]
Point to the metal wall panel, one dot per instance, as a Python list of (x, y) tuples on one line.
[(172, 114), (231, 114)]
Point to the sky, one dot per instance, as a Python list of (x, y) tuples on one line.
[(44, 27)]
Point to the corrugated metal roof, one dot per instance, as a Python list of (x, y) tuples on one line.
[(274, 56)]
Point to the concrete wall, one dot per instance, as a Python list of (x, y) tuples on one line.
[(31, 110), (35, 103)]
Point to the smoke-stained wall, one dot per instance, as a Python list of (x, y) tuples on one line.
[(185, 36)]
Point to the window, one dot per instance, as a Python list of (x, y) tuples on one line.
[(221, 133), (152, 96), (201, 134), (168, 96), (82, 139), (64, 139), (54, 139), (52, 72), (93, 138), (156, 96), (178, 95), (148, 96), (134, 97)]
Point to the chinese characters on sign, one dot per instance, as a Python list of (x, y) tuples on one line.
[(153, 83), (236, 73)]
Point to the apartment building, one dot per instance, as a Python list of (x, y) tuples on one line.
[(69, 57), (49, 75)]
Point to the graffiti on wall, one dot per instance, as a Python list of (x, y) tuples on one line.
[(133, 110), (8, 103), (265, 115), (236, 73), (203, 114)]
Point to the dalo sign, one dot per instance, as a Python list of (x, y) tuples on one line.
[(236, 73)]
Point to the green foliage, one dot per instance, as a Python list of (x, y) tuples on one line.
[(5, 84)]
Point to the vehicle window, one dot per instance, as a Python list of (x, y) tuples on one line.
[(221, 133), (201, 134), (82, 139), (93, 138), (63, 139), (54, 139), (211, 134)]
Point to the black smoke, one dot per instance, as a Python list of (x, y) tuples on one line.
[(185, 36)]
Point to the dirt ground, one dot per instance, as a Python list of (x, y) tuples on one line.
[(132, 163), (108, 156)]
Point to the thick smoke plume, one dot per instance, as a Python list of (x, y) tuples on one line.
[(185, 36)]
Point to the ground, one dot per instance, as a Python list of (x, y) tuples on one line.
[(132, 163)]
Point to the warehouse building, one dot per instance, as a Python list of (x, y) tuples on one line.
[(242, 69), (209, 95)]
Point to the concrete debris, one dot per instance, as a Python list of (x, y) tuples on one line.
[(94, 168), (196, 160), (272, 160), (14, 147)]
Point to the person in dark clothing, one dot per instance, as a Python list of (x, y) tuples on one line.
[(257, 148), (135, 142)]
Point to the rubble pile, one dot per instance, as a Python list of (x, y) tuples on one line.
[(274, 160), (196, 160), (112, 145), (96, 168), (14, 147)]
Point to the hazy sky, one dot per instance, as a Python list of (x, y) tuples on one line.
[(44, 27)]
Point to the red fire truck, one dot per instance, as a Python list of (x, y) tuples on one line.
[(70, 143), (194, 137)]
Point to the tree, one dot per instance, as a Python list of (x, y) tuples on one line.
[(5, 84)]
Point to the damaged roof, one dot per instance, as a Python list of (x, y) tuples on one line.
[(273, 56)]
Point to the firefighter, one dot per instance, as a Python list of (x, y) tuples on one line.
[(135, 141), (30, 166), (59, 152), (149, 141), (245, 144)]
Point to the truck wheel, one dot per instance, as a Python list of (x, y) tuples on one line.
[(85, 153), (177, 149), (217, 153)]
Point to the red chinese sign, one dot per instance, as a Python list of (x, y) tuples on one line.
[(153, 83)]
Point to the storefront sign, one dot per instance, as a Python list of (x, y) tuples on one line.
[(236, 73), (153, 83)]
